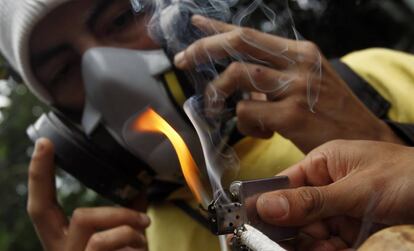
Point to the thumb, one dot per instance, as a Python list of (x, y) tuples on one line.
[(300, 206)]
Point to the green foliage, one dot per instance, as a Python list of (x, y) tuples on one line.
[(14, 151)]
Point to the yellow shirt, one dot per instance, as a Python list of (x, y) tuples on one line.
[(171, 229), (390, 72)]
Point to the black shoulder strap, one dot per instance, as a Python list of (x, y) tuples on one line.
[(373, 100), (364, 91)]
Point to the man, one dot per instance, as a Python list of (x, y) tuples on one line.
[(45, 41), (341, 186)]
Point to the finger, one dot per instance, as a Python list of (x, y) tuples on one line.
[(116, 238), (305, 205), (322, 166), (346, 228), (254, 125), (322, 245), (260, 81), (338, 243), (303, 242), (312, 170), (47, 216), (251, 78), (318, 230), (256, 132), (254, 116), (239, 43), (86, 221), (211, 26)]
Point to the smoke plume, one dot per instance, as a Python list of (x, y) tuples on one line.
[(170, 25)]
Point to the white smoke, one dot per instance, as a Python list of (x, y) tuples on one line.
[(170, 25)]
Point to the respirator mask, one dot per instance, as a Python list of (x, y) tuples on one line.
[(105, 152)]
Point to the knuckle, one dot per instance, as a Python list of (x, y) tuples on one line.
[(35, 174), (259, 74), (198, 46), (248, 33), (235, 39), (38, 212), (310, 47), (310, 53), (312, 199), (302, 82), (242, 111), (96, 242), (34, 211), (332, 148), (195, 50), (234, 70), (294, 119), (36, 158), (379, 182), (128, 231), (335, 144), (290, 123), (79, 217), (302, 104), (130, 214)]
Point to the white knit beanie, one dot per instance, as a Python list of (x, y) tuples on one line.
[(17, 20)]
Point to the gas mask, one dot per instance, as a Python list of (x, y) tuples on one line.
[(105, 152)]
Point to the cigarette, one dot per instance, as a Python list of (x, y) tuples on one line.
[(257, 241)]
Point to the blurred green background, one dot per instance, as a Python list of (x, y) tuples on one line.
[(337, 26), (18, 108)]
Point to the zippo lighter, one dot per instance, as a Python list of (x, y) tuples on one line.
[(237, 207)]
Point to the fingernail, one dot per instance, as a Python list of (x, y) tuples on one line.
[(179, 60), (39, 147), (274, 206)]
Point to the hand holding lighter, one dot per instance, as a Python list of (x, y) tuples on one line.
[(227, 216)]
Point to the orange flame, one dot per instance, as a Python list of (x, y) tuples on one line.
[(150, 121)]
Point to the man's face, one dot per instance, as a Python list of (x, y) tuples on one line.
[(59, 41)]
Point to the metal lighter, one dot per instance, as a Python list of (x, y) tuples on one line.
[(227, 216)]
